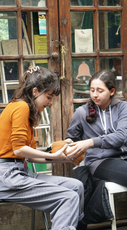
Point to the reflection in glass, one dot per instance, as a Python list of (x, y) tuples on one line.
[(110, 31), (109, 2), (82, 32), (8, 33), (81, 2), (39, 3), (82, 70), (7, 2), (114, 64)]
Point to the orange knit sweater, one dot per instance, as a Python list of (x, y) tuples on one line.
[(15, 130)]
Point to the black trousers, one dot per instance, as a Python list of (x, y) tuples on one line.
[(113, 170)]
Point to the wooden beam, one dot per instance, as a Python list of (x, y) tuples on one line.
[(53, 46)]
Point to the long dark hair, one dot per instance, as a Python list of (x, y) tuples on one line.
[(109, 80), (41, 78)]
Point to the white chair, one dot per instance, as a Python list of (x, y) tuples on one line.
[(112, 189)]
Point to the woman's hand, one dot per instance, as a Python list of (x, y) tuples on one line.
[(79, 147), (60, 156)]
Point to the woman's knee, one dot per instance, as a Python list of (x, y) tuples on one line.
[(79, 186), (74, 198)]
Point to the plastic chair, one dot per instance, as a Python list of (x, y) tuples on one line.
[(112, 189)]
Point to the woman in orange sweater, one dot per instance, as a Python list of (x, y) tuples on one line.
[(60, 196)]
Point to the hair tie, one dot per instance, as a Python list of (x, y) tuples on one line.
[(92, 111), (33, 69)]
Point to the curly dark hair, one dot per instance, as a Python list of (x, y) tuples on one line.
[(41, 78), (109, 80)]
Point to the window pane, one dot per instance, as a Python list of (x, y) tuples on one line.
[(114, 64), (37, 43), (39, 3), (82, 70), (10, 93), (42, 63), (11, 71), (110, 31), (8, 33), (7, 2), (9, 79), (81, 2), (82, 32), (42, 131), (109, 2)]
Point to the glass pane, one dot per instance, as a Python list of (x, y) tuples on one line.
[(37, 43), (114, 64), (81, 2), (8, 33), (82, 32), (109, 2), (42, 131), (10, 93), (43, 63), (39, 3), (11, 71), (7, 2), (9, 79), (82, 70), (110, 31)]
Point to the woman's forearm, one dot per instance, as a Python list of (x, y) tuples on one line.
[(29, 152), (38, 156)]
